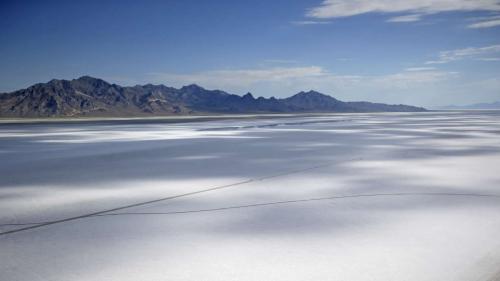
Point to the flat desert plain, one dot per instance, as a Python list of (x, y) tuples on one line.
[(372, 196)]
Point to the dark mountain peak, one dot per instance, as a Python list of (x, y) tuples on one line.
[(91, 80), (54, 81), (312, 96), (150, 86), (312, 93), (192, 87), (86, 77), (55, 84), (248, 96), (314, 101)]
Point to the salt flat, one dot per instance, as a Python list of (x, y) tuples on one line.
[(382, 196)]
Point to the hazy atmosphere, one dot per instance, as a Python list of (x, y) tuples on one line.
[(424, 53)]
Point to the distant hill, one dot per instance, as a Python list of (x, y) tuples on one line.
[(88, 96), (493, 105)]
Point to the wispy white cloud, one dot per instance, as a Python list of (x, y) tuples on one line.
[(466, 53), (302, 78), (409, 79), (419, 68), (309, 22), (486, 22), (489, 59), (418, 87), (242, 77), (416, 8), (406, 18)]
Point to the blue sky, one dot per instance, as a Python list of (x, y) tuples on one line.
[(418, 52)]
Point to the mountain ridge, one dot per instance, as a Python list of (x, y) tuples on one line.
[(94, 97)]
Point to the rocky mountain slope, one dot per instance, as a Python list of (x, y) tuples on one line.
[(88, 96)]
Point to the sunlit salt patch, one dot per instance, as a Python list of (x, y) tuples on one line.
[(319, 144), (287, 129), (89, 137), (381, 135), (387, 147), (327, 130), (432, 132), (460, 172), (276, 124), (275, 189), (119, 132), (27, 204), (417, 241), (25, 134), (481, 142), (199, 157)]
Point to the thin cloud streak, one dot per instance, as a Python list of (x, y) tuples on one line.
[(242, 77), (309, 22), (330, 9), (346, 8), (466, 53), (419, 68), (406, 18), (485, 24), (303, 78), (489, 59)]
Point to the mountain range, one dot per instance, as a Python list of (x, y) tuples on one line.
[(88, 96)]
